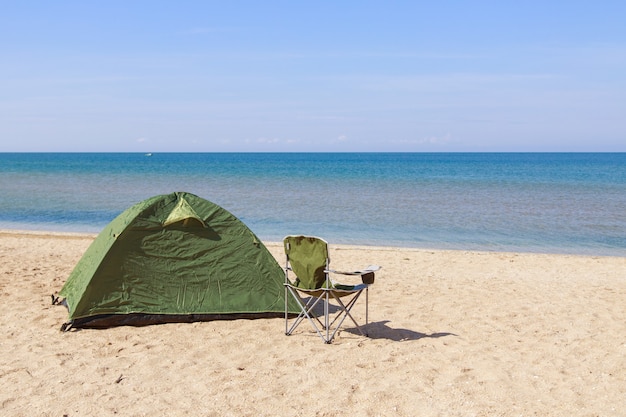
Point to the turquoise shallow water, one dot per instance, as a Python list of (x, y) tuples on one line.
[(558, 203)]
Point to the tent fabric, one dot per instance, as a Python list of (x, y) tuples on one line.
[(175, 255)]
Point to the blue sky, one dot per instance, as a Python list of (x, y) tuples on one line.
[(213, 76)]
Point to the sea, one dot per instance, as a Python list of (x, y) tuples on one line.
[(570, 203)]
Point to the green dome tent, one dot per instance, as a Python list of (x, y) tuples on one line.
[(171, 258)]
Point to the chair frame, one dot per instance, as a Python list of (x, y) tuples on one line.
[(329, 291)]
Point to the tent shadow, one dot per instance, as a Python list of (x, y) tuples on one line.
[(380, 330)]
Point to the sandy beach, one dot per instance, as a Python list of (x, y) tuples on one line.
[(452, 333)]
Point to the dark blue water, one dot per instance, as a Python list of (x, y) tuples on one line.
[(558, 203)]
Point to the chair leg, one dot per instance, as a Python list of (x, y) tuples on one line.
[(286, 310), (327, 315), (367, 308), (346, 312), (327, 328), (306, 309)]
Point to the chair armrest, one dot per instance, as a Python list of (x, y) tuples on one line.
[(367, 274), (369, 269)]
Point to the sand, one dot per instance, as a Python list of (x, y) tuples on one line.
[(452, 333)]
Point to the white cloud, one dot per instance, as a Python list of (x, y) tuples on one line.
[(268, 140), (428, 140)]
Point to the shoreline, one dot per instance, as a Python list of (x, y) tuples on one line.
[(47, 234), (340, 246)]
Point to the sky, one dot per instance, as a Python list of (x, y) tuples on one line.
[(313, 76)]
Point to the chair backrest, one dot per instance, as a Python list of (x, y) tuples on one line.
[(308, 258)]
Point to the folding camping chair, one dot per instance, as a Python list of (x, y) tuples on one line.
[(307, 259)]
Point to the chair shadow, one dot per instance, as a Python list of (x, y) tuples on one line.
[(318, 310), (380, 330)]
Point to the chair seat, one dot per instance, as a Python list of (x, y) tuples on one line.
[(341, 290)]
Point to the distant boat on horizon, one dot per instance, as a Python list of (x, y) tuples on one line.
[(149, 154)]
